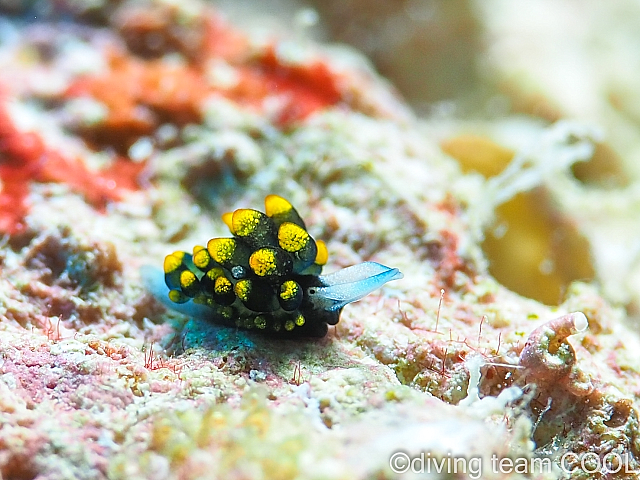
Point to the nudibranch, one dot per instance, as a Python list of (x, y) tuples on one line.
[(267, 276)]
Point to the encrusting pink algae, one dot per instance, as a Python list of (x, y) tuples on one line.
[(129, 128)]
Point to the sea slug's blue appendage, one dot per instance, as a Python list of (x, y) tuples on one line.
[(266, 277), (351, 284), (152, 278)]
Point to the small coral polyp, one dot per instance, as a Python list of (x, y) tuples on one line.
[(267, 277)]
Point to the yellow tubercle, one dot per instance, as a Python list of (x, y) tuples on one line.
[(222, 285), (221, 249), (292, 237), (289, 289), (263, 262), (244, 221), (201, 257), (276, 205), (187, 279), (323, 254), (175, 296), (243, 289), (173, 261), (299, 320), (227, 218), (289, 325)]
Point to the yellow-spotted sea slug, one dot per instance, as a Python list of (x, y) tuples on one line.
[(267, 276)]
